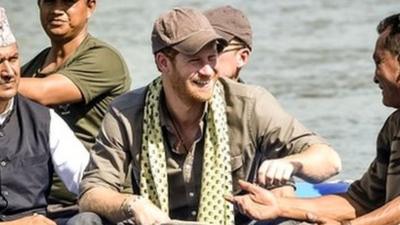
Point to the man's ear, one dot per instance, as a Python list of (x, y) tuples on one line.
[(398, 75), (91, 4), (242, 57), (162, 62)]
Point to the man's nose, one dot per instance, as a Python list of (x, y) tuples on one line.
[(6, 69), (375, 78), (59, 6), (207, 70)]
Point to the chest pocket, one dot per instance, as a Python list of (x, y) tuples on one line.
[(237, 172), (236, 163), (33, 161), (23, 161), (27, 171)]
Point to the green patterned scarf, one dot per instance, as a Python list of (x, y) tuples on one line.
[(216, 178)]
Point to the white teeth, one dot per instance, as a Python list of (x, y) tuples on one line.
[(202, 82)]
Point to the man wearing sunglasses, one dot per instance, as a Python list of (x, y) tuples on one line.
[(235, 28), (233, 25), (175, 147)]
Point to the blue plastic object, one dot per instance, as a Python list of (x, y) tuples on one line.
[(304, 189)]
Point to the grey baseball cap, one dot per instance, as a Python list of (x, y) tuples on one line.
[(230, 22)]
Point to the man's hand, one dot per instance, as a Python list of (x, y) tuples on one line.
[(31, 220), (276, 171), (145, 213), (312, 218), (284, 191), (258, 204)]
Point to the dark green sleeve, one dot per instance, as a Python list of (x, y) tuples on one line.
[(96, 71), (370, 191)]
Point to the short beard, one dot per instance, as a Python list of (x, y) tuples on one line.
[(185, 92)]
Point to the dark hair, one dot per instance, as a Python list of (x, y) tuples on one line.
[(169, 52), (38, 1), (392, 41)]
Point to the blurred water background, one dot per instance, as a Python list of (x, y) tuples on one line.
[(315, 56)]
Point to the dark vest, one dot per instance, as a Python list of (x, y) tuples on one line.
[(25, 160)]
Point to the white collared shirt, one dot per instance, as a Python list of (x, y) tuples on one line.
[(68, 154), (6, 112)]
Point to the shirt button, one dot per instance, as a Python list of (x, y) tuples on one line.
[(3, 163), (191, 194), (194, 213)]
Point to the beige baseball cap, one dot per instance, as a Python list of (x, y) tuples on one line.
[(186, 30)]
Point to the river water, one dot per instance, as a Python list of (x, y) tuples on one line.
[(314, 56)]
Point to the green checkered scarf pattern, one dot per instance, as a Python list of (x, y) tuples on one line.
[(216, 178)]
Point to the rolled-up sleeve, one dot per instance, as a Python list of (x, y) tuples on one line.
[(277, 130), (369, 191), (110, 160), (374, 188)]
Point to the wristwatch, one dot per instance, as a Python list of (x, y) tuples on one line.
[(127, 206)]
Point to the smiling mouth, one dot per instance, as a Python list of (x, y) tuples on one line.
[(6, 81), (202, 83), (7, 86), (56, 22)]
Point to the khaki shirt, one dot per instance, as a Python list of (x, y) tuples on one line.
[(380, 184), (258, 129)]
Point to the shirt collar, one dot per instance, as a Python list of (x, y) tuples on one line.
[(166, 123), (165, 120), (6, 112)]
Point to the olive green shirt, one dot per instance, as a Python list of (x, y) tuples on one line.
[(380, 184), (258, 128), (101, 74)]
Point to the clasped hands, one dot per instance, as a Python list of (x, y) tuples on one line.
[(261, 204)]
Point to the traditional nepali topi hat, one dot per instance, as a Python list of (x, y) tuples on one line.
[(6, 36)]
